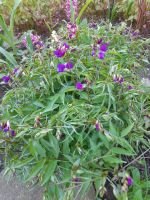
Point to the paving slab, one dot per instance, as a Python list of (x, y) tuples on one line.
[(13, 190)]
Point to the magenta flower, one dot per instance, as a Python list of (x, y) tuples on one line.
[(69, 65), (79, 86), (101, 55), (72, 30), (60, 52), (104, 47), (68, 8), (66, 46), (129, 181), (99, 41), (6, 79), (60, 67)]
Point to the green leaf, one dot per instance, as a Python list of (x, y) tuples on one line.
[(2, 61), (8, 56), (66, 147), (35, 170), (113, 130), (22, 163), (72, 11), (29, 43), (76, 164), (51, 105), (124, 143), (138, 195), (42, 133), (49, 171), (3, 25), (32, 149), (127, 130), (136, 175), (6, 39), (38, 147), (113, 160), (54, 144), (104, 140), (121, 151), (87, 3), (11, 27)]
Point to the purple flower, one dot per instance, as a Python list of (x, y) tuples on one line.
[(15, 70), (6, 79), (129, 181), (36, 41), (92, 25), (121, 80), (130, 87), (97, 126), (94, 49), (13, 133), (93, 53), (79, 86), (69, 65), (6, 127), (134, 33), (60, 67), (66, 46), (115, 78), (99, 41), (39, 44), (104, 47), (101, 55), (60, 52), (76, 180), (118, 79)]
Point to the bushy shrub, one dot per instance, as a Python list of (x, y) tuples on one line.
[(74, 116), (44, 15), (34, 14)]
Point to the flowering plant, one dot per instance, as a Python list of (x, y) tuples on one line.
[(77, 111)]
